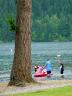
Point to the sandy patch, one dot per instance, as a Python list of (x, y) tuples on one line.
[(5, 90)]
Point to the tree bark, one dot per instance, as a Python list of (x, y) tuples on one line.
[(21, 69)]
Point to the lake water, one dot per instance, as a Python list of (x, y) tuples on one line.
[(40, 53)]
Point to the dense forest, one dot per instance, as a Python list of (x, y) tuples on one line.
[(51, 20)]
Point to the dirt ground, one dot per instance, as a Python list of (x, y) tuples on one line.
[(5, 90)]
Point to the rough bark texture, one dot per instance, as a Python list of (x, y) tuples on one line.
[(21, 69)]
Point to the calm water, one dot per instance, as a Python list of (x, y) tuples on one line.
[(40, 52)]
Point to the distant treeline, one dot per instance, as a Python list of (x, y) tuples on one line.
[(51, 20)]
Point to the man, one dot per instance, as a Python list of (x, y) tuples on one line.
[(48, 67)]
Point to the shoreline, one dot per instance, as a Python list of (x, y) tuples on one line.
[(47, 84)]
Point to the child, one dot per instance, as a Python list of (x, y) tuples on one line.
[(61, 69), (36, 67)]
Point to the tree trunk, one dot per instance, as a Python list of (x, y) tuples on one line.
[(21, 69)]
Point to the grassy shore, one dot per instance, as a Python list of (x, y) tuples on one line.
[(51, 87), (64, 91)]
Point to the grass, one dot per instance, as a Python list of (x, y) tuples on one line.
[(64, 91)]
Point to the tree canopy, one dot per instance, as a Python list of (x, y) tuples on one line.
[(51, 20)]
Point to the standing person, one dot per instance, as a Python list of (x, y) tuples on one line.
[(62, 69), (48, 67)]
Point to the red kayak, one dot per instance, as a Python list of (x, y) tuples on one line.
[(40, 75), (40, 72)]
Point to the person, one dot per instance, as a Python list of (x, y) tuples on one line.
[(62, 69), (36, 67), (48, 67)]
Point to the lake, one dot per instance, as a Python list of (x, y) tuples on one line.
[(41, 51)]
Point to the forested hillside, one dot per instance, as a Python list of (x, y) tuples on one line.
[(51, 20), (7, 11)]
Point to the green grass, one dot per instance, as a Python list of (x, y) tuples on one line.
[(64, 91)]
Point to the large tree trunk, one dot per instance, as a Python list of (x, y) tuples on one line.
[(21, 69)]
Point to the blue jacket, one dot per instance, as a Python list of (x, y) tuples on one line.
[(48, 66)]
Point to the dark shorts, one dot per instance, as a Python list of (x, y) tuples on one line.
[(48, 72)]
